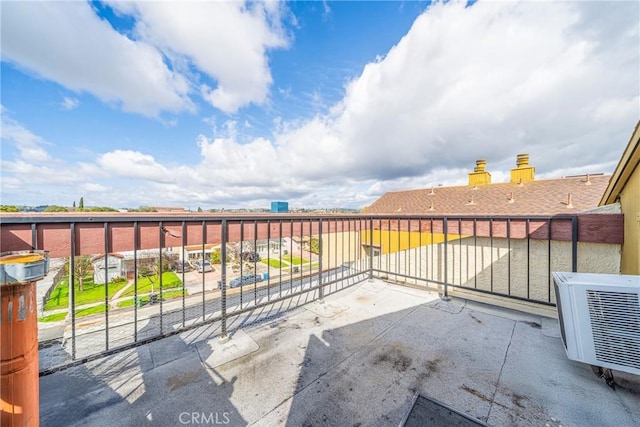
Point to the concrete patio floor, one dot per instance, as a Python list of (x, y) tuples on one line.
[(356, 359)]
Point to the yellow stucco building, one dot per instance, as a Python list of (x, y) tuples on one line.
[(624, 187)]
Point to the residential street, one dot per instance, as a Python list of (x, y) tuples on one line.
[(127, 324)]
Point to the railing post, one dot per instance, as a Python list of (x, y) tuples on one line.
[(574, 244), (182, 261), (445, 297), (106, 285), (161, 243), (72, 290), (223, 283), (34, 236), (136, 245), (320, 289), (371, 249), (204, 240)]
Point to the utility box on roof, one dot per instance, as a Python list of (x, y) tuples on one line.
[(279, 207)]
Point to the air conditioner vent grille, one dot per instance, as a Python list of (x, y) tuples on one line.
[(615, 323)]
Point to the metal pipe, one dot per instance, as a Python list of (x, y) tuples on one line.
[(445, 230), (320, 289), (72, 289), (106, 284), (223, 281)]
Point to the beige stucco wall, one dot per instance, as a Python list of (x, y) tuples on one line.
[(514, 268), (339, 248), (473, 263), (630, 206)]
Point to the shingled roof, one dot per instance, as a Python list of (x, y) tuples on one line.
[(539, 197)]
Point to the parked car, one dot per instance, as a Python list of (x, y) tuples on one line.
[(181, 266), (245, 280), (206, 266)]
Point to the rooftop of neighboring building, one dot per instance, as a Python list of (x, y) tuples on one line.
[(628, 163), (523, 195)]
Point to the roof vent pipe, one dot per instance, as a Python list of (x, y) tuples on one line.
[(523, 172), (479, 176), (522, 160)]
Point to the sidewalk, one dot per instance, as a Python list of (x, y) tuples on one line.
[(43, 285)]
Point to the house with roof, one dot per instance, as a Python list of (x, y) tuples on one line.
[(106, 269), (195, 253), (168, 209), (485, 225), (624, 189), (522, 195), (122, 265)]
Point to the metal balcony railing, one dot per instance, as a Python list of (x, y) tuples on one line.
[(145, 276)]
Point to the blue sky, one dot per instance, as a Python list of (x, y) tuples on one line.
[(323, 104)]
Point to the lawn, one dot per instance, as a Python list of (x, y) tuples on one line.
[(145, 299), (92, 292), (169, 280), (79, 313), (53, 317), (91, 310), (272, 262), (294, 259), (307, 267)]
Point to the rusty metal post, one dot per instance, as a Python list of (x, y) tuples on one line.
[(19, 379), (19, 395)]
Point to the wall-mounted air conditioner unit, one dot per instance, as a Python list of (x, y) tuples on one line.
[(600, 319)]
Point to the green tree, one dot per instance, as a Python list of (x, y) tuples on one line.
[(56, 208), (100, 209), (216, 257), (153, 270), (81, 204), (82, 265), (154, 275), (143, 209), (74, 204), (314, 245), (199, 209), (9, 208)]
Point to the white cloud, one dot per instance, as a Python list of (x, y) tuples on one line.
[(31, 174), (486, 81), (556, 80), (30, 146), (227, 41), (90, 187), (326, 9), (133, 164), (69, 103), (467, 83), (254, 163), (66, 42)]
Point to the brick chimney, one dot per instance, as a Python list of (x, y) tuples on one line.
[(479, 176), (522, 172)]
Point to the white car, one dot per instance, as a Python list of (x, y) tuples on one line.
[(206, 267)]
